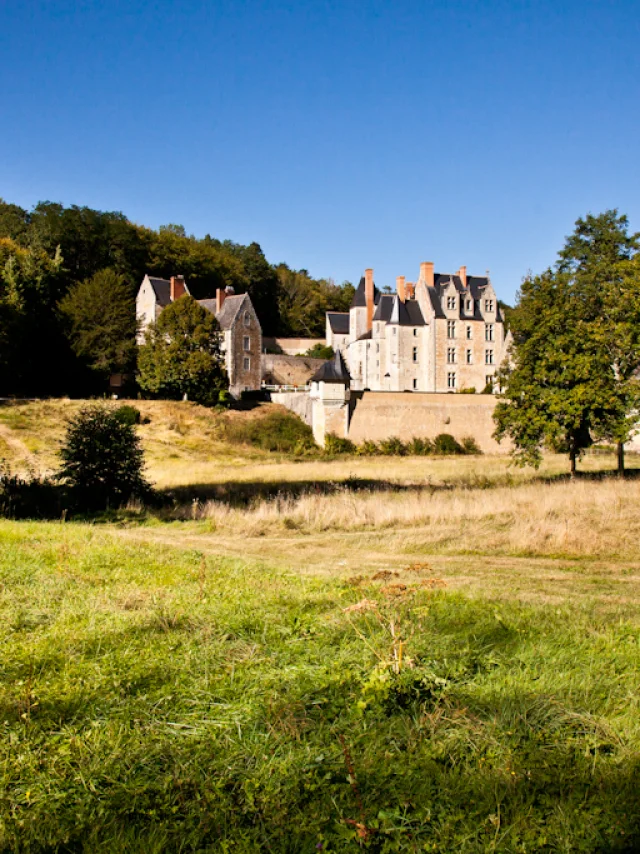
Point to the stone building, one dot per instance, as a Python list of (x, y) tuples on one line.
[(239, 325), (445, 333)]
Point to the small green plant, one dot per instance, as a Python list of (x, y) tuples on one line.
[(225, 398), (367, 449), (337, 445), (320, 351), (102, 460), (470, 390), (419, 447), (392, 447), (470, 446), (128, 414), (444, 443)]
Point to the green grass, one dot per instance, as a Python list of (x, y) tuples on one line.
[(155, 699)]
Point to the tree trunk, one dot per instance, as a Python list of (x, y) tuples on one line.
[(572, 459), (621, 459)]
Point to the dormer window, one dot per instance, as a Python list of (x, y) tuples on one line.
[(451, 303), (468, 305), (488, 305)]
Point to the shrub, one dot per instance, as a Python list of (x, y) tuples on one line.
[(128, 414), (337, 445), (225, 398), (470, 446), (102, 460), (392, 447), (470, 390), (320, 351), (30, 497), (276, 431), (367, 448), (420, 447), (444, 443)]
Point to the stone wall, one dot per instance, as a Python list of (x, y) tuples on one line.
[(379, 415), (288, 370), (291, 346), (298, 402)]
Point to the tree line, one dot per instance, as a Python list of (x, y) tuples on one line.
[(68, 280)]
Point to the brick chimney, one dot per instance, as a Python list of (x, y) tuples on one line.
[(220, 298), (400, 288), (178, 288), (462, 272), (426, 273), (410, 290), (368, 295)]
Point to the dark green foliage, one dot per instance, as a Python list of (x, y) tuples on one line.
[(419, 447), (337, 445), (30, 497), (320, 351), (444, 443), (392, 447), (576, 346), (303, 302), (102, 322), (368, 448), (470, 446), (102, 461), (128, 414), (225, 397), (277, 431), (470, 390), (181, 354)]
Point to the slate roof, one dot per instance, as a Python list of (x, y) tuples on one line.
[(383, 309), (339, 322), (162, 290), (230, 309), (406, 313), (209, 304), (359, 298), (333, 371)]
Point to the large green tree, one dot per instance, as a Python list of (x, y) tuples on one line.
[(102, 322), (571, 377), (181, 354)]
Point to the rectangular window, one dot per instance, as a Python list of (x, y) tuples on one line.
[(451, 303), (468, 305), (415, 332), (377, 348), (415, 383), (247, 319), (451, 329), (415, 354), (451, 380), (245, 343), (247, 363), (469, 333), (489, 380), (488, 357), (488, 305), (488, 332), (451, 355), (469, 357)]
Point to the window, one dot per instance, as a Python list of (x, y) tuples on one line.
[(394, 330), (451, 355), (451, 329), (489, 380), (415, 332), (451, 380), (488, 305), (415, 354), (247, 363), (377, 348), (488, 332), (469, 333), (469, 357), (415, 383), (488, 357), (451, 303), (468, 305), (245, 343), (247, 319)]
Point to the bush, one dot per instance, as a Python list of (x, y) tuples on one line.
[(276, 431), (102, 460), (444, 443), (337, 445), (470, 390), (320, 351), (470, 446), (28, 498), (392, 447), (225, 398), (367, 448), (128, 414), (420, 447)]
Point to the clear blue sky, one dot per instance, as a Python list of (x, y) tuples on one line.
[(338, 135)]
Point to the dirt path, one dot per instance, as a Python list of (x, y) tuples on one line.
[(19, 448)]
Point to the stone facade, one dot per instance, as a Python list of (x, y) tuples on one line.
[(444, 333), (239, 324)]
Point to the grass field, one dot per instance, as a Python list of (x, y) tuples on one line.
[(411, 654)]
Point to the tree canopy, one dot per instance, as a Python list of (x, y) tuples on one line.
[(572, 378), (181, 354)]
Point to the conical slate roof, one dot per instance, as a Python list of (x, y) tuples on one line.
[(333, 371)]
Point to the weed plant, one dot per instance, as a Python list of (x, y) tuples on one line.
[(157, 700)]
